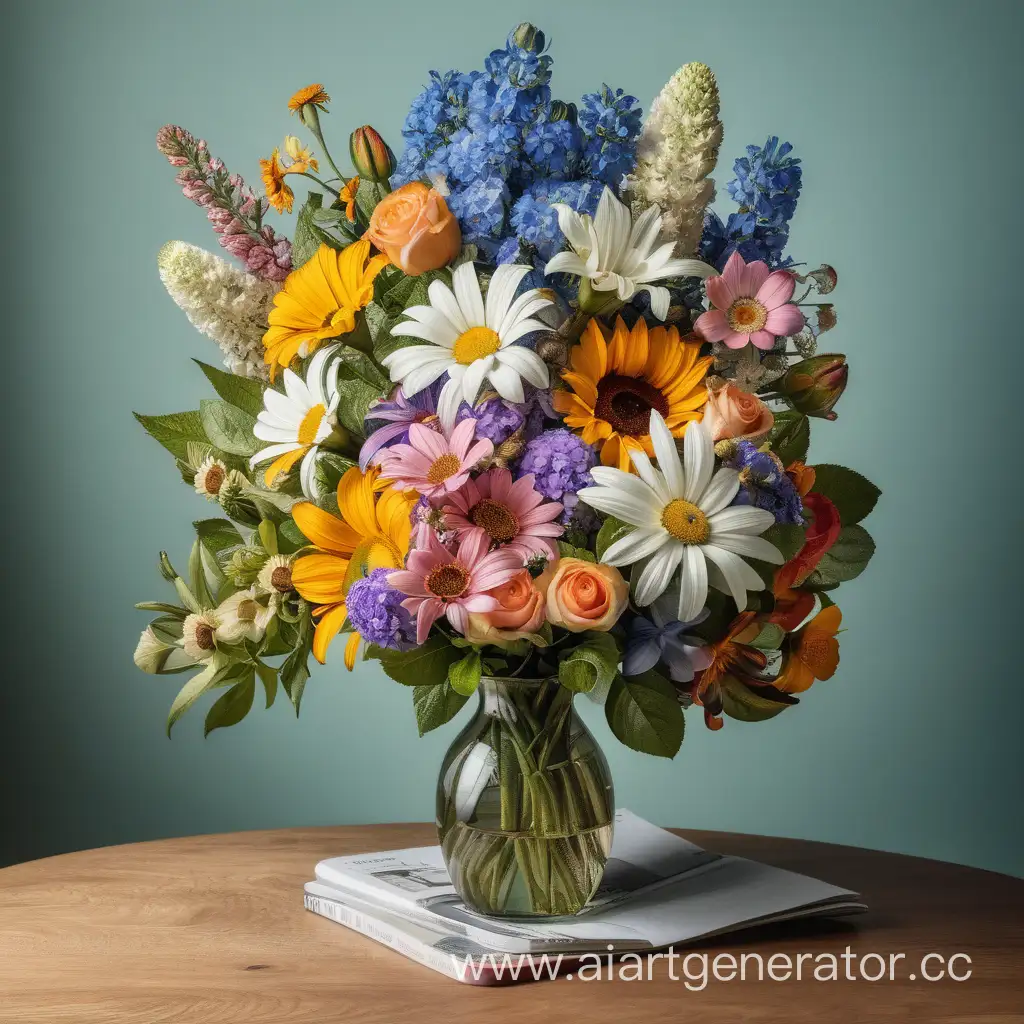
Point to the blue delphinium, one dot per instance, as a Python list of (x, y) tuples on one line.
[(765, 484), (560, 463), (533, 219), (610, 121), (375, 610), (766, 187), (480, 209), (554, 147)]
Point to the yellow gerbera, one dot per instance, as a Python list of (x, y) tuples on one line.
[(279, 195), (615, 385), (309, 94), (371, 533), (320, 301)]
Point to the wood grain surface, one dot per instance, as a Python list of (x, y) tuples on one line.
[(211, 930)]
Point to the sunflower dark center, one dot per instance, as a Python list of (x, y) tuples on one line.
[(496, 519), (626, 403)]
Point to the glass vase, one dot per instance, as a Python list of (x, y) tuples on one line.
[(525, 804)]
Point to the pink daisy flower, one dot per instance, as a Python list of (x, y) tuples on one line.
[(509, 515), (751, 305), (440, 582), (431, 463)]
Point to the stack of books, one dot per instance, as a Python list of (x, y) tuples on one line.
[(659, 891)]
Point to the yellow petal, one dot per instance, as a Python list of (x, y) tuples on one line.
[(355, 502), (586, 390), (324, 530), (327, 629), (351, 650), (320, 578), (283, 464)]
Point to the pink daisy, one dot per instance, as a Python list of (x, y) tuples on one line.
[(751, 304), (440, 582), (509, 515), (431, 463)]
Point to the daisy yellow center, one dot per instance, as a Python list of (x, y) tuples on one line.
[(443, 467), (686, 522), (497, 520), (311, 424), (746, 316), (474, 344), (448, 580)]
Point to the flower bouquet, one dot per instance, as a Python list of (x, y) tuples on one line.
[(515, 413)]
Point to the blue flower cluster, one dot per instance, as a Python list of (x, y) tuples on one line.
[(764, 484), (508, 150), (766, 187)]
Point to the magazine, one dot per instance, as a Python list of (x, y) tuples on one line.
[(659, 890)]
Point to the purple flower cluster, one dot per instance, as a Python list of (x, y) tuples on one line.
[(232, 208), (560, 463), (764, 484), (496, 419), (375, 610)]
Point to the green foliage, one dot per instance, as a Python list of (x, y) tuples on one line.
[(231, 707), (229, 428), (360, 382), (612, 529), (787, 537), (217, 535), (770, 638), (853, 495), (245, 393), (644, 713), (844, 561), (436, 705), (426, 665), (790, 436), (175, 430), (747, 704), (212, 674), (295, 670), (464, 675), (309, 236), (566, 550), (594, 663)]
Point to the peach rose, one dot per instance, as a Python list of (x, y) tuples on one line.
[(415, 229), (520, 612), (735, 414), (584, 595)]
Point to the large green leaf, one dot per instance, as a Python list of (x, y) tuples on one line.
[(217, 535), (359, 384), (853, 495), (212, 674), (229, 428), (747, 704), (594, 663), (790, 436), (175, 430), (644, 713), (845, 560), (612, 529), (246, 393), (231, 707), (464, 675), (308, 236), (435, 705), (426, 665), (295, 670)]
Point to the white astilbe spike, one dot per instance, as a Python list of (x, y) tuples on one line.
[(677, 151), (225, 303)]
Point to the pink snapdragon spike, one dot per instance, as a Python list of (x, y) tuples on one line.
[(431, 463), (509, 515), (751, 305), (453, 583)]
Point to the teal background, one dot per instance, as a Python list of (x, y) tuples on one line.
[(907, 118)]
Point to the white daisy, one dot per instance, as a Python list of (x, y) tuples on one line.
[(683, 521), (471, 341), (617, 254), (210, 477), (298, 421), (198, 635), (242, 617)]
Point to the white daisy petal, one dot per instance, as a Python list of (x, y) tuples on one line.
[(506, 382), (693, 584), (307, 475), (525, 306), (667, 454), (268, 433), (527, 364), (649, 475), (295, 388), (722, 489), (273, 452), (627, 483), (467, 294), (423, 376), (741, 519), (501, 291), (566, 263), (448, 403), (442, 299), (736, 572), (698, 460), (520, 330), (635, 545), (748, 546), (408, 360), (438, 331), (622, 506), (473, 377), (658, 573)]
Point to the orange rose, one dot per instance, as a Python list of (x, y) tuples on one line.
[(415, 228), (732, 413), (582, 595), (520, 612)]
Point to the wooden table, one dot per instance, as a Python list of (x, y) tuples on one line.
[(211, 930)]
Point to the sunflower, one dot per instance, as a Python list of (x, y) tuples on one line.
[(309, 94), (320, 301), (372, 533), (615, 385)]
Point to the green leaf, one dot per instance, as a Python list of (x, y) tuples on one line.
[(770, 638), (426, 665), (368, 195), (746, 704), (308, 237), (175, 430), (197, 577), (853, 495), (291, 538), (229, 428), (787, 537), (207, 679), (245, 393), (217, 535), (435, 705), (295, 670), (845, 560), (612, 529), (268, 536), (790, 436), (268, 677), (566, 550), (594, 663), (359, 384), (464, 675), (644, 713), (176, 611), (231, 707)]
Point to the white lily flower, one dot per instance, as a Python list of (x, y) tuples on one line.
[(617, 254), (684, 523)]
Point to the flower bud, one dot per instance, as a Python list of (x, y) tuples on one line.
[(371, 155), (562, 111), (527, 37), (814, 385)]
